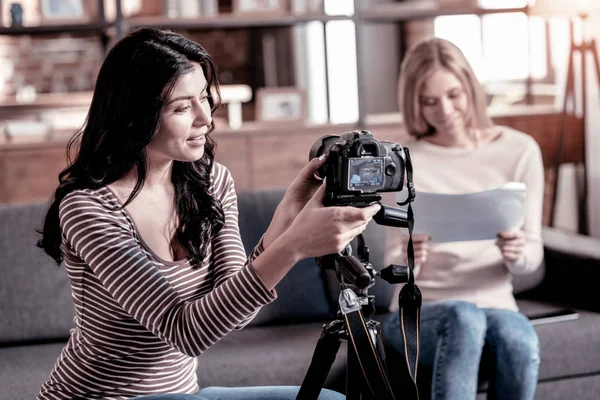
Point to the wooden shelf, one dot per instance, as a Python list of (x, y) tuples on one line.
[(52, 100), (90, 27), (231, 21), (385, 12), (393, 12)]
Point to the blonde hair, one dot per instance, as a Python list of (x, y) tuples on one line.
[(420, 62)]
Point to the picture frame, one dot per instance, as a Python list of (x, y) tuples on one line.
[(258, 6), (283, 104), (62, 10)]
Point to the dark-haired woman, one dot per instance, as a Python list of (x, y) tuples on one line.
[(146, 223)]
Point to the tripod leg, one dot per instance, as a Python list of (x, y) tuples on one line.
[(355, 380), (380, 349), (323, 357), (356, 384)]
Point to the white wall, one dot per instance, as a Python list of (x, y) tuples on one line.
[(593, 135), (380, 57)]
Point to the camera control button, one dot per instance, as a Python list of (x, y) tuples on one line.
[(390, 170)]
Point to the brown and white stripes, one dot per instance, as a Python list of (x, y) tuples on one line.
[(140, 321)]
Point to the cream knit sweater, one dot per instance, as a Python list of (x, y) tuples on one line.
[(475, 271)]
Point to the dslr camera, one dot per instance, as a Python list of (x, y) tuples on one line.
[(358, 167)]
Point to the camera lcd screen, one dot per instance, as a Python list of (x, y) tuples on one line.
[(365, 173)]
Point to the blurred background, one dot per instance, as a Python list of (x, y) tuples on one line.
[(294, 70)]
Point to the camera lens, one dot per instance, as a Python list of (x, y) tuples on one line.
[(318, 148), (322, 146)]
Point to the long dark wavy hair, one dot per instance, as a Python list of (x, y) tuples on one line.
[(133, 85)]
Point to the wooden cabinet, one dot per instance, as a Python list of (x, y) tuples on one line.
[(29, 173), (259, 156)]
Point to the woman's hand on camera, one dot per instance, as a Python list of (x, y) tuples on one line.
[(316, 231), (511, 245), (296, 196), (319, 230)]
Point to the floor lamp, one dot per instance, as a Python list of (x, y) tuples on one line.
[(575, 9)]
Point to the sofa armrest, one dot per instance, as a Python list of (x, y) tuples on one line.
[(572, 271)]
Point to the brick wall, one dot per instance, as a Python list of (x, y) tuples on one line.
[(48, 64)]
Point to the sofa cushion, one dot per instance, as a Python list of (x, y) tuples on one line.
[(301, 293), (24, 369), (568, 348), (572, 272), (35, 292), (278, 355), (253, 356)]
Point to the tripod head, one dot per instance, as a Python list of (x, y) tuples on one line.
[(355, 272)]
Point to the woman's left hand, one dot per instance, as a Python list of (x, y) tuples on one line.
[(511, 244), (303, 187), (296, 196)]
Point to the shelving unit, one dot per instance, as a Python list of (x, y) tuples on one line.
[(390, 13), (228, 21), (99, 27), (383, 13), (96, 27), (46, 100)]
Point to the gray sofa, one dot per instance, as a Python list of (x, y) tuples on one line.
[(276, 349)]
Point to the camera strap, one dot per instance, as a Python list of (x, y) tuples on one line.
[(410, 186), (409, 307), (365, 347), (409, 299)]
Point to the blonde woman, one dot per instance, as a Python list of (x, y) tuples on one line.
[(468, 307)]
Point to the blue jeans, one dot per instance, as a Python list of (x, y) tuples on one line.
[(452, 338), (244, 393)]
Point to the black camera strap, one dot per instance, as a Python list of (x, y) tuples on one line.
[(409, 307), (365, 348), (409, 300)]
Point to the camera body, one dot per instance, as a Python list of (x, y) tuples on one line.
[(358, 167)]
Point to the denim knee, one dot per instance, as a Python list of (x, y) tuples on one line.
[(464, 318), (517, 340), (391, 331)]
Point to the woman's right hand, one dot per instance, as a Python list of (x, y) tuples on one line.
[(318, 230), (420, 246)]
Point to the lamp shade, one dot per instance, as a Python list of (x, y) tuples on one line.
[(564, 7)]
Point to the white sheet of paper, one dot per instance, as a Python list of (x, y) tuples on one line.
[(471, 216)]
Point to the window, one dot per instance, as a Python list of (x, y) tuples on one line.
[(508, 48), (500, 47), (341, 93)]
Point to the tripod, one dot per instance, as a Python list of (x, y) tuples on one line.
[(585, 47), (366, 376)]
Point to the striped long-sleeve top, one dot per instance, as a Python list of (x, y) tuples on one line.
[(140, 321)]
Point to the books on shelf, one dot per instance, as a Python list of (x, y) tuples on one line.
[(191, 8), (449, 4), (307, 6), (23, 131), (409, 6)]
